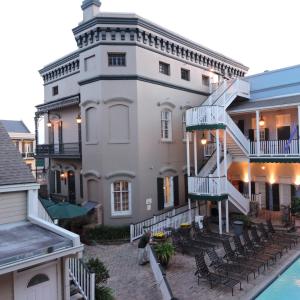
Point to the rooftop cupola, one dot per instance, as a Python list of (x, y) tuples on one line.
[(90, 9)]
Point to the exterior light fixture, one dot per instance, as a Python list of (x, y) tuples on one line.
[(263, 167), (49, 124), (78, 119), (63, 177), (261, 121), (203, 140)]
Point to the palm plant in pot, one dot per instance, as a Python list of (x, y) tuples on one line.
[(164, 251)]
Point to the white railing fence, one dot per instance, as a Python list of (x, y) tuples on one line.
[(137, 229), (212, 186), (84, 280), (275, 147), (42, 213), (174, 221), (205, 115), (160, 276), (237, 199)]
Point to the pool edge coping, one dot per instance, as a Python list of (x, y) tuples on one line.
[(264, 285)]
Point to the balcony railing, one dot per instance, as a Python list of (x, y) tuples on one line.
[(212, 186), (28, 155), (275, 148), (59, 150)]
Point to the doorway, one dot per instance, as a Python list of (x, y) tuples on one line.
[(283, 134), (71, 187)]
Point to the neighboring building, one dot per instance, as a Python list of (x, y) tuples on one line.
[(252, 144), (34, 253), (115, 113), (23, 139)]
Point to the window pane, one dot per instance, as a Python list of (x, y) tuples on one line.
[(117, 186), (124, 185), (125, 201)]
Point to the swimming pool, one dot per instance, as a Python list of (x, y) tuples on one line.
[(286, 286)]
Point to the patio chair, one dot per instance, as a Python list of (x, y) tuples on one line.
[(251, 246), (233, 256), (270, 246), (198, 234), (202, 271), (231, 269), (277, 240), (241, 250), (208, 232), (281, 234)]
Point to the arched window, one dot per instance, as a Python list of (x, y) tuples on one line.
[(121, 198), (166, 125), (37, 279)]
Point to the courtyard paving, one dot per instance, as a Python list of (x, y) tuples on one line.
[(133, 282), (128, 280)]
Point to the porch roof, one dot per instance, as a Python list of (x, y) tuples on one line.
[(24, 240), (272, 103)]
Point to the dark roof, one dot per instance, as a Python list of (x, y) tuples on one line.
[(13, 169), (15, 126), (275, 102)]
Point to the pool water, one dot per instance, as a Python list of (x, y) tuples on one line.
[(286, 286)]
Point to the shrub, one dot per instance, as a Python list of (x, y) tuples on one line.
[(96, 266), (102, 292), (164, 251), (108, 233)]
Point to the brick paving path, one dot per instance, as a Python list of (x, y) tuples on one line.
[(128, 280)]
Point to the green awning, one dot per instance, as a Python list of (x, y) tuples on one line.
[(275, 160), (66, 210), (46, 202), (208, 197), (206, 127)]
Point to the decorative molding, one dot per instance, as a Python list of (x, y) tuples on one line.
[(154, 36), (128, 174), (90, 103), (118, 100), (143, 79), (168, 169), (91, 173), (59, 103), (167, 103)]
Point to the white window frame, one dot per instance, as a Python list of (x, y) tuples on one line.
[(112, 198), (117, 59), (166, 137), (171, 204)]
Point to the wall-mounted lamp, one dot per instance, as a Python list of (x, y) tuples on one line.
[(263, 167), (49, 124), (203, 139), (261, 121), (63, 177), (78, 119)]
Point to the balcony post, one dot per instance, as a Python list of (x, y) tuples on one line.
[(298, 129), (220, 216), (188, 154), (195, 153), (225, 156), (218, 156), (257, 134), (227, 215), (249, 180)]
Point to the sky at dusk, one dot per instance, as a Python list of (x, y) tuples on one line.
[(261, 34)]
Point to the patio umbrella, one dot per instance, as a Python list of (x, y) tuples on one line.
[(66, 210)]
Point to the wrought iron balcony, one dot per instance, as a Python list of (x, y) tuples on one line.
[(69, 150)]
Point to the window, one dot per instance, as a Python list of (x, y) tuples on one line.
[(55, 90), (122, 37), (164, 68), (103, 36), (90, 63), (113, 37), (121, 198), (117, 59), (132, 37), (205, 80), (185, 74), (37, 279), (166, 128), (168, 192)]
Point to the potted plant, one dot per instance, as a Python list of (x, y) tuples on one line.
[(185, 225), (159, 236), (164, 251)]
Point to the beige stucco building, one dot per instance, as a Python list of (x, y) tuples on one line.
[(114, 114)]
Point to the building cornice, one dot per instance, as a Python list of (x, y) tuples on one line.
[(148, 32), (19, 187), (141, 78), (59, 103)]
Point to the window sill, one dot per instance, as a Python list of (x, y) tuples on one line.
[(119, 142), (121, 216)]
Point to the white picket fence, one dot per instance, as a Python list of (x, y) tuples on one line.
[(84, 280), (137, 229)]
